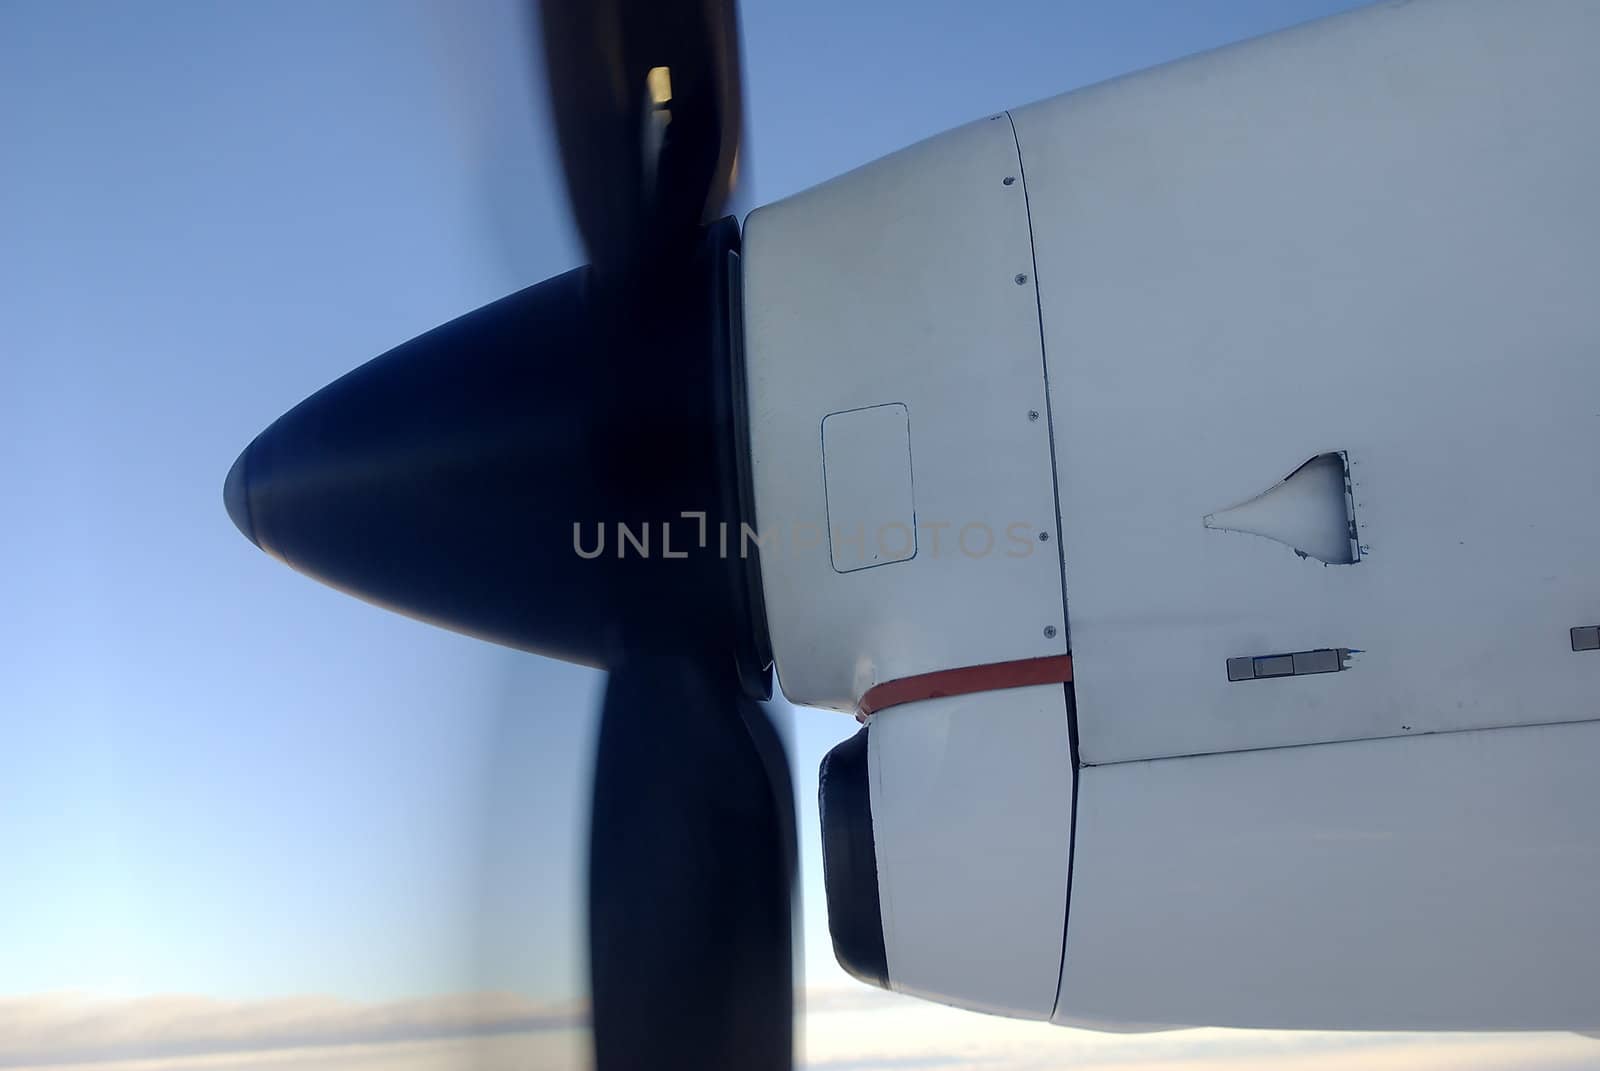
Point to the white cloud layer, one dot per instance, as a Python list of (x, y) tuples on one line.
[(64, 1028), (880, 1031), (852, 1029)]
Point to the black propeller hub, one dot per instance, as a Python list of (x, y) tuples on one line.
[(559, 471)]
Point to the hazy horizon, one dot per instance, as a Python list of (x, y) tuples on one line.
[(841, 1028)]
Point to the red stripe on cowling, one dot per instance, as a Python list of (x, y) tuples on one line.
[(991, 677)]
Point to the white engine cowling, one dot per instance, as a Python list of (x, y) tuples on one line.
[(1263, 384)]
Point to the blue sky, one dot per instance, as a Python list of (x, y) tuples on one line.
[(216, 776)]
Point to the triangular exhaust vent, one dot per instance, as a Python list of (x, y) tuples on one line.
[(1310, 511)]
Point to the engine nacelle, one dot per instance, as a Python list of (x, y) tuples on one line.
[(1192, 482)]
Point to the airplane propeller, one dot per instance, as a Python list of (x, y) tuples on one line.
[(466, 477)]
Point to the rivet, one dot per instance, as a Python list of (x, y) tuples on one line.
[(1033, 414), (1050, 632), (1044, 537), (1021, 278)]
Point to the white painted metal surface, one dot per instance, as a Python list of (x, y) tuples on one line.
[(1375, 237), (897, 283), (972, 817), (1378, 233), (1445, 882)]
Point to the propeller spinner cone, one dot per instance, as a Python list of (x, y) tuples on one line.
[(469, 477)]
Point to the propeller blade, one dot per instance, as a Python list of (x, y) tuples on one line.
[(647, 102), (691, 875)]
